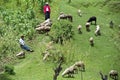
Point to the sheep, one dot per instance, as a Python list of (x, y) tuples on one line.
[(80, 65), (79, 12), (65, 16), (74, 68), (69, 71), (46, 55), (79, 29), (44, 26), (49, 45), (87, 26), (91, 19), (113, 74), (43, 29), (97, 31), (47, 22), (61, 15), (91, 41), (21, 54)]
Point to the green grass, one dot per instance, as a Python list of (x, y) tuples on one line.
[(104, 56)]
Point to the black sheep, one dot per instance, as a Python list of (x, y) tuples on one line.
[(91, 19)]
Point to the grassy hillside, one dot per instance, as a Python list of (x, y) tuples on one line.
[(103, 57)]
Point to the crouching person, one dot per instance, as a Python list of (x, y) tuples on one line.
[(23, 45)]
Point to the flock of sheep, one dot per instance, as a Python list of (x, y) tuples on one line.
[(113, 73), (77, 66), (72, 69)]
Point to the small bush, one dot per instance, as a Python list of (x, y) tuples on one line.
[(61, 31), (4, 77), (9, 69)]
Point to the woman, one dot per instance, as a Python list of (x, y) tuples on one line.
[(46, 10)]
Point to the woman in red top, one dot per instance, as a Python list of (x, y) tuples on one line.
[(46, 10)]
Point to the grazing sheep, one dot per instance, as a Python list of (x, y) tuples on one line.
[(113, 74), (79, 29), (91, 19), (46, 55), (80, 65), (69, 71), (87, 26), (44, 26), (21, 54), (65, 16), (47, 22), (79, 12), (97, 31), (74, 68), (91, 41), (49, 45)]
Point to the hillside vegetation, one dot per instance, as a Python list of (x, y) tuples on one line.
[(20, 17)]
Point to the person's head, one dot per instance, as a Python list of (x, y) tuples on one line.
[(46, 3), (22, 37)]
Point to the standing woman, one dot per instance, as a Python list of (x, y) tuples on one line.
[(46, 9)]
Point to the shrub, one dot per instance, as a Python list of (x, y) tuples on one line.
[(4, 77), (9, 69), (61, 31)]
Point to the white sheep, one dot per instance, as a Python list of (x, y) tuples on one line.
[(46, 55), (61, 15), (113, 74), (44, 26), (80, 65), (87, 26), (79, 12), (47, 22), (21, 54), (79, 28), (65, 16), (91, 41), (74, 68), (97, 31), (49, 46), (43, 29), (69, 71)]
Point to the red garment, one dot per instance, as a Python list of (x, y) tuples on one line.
[(46, 8)]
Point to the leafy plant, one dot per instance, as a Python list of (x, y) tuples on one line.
[(41, 4), (4, 77), (61, 31), (9, 69)]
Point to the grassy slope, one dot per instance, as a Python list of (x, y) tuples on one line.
[(103, 57)]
